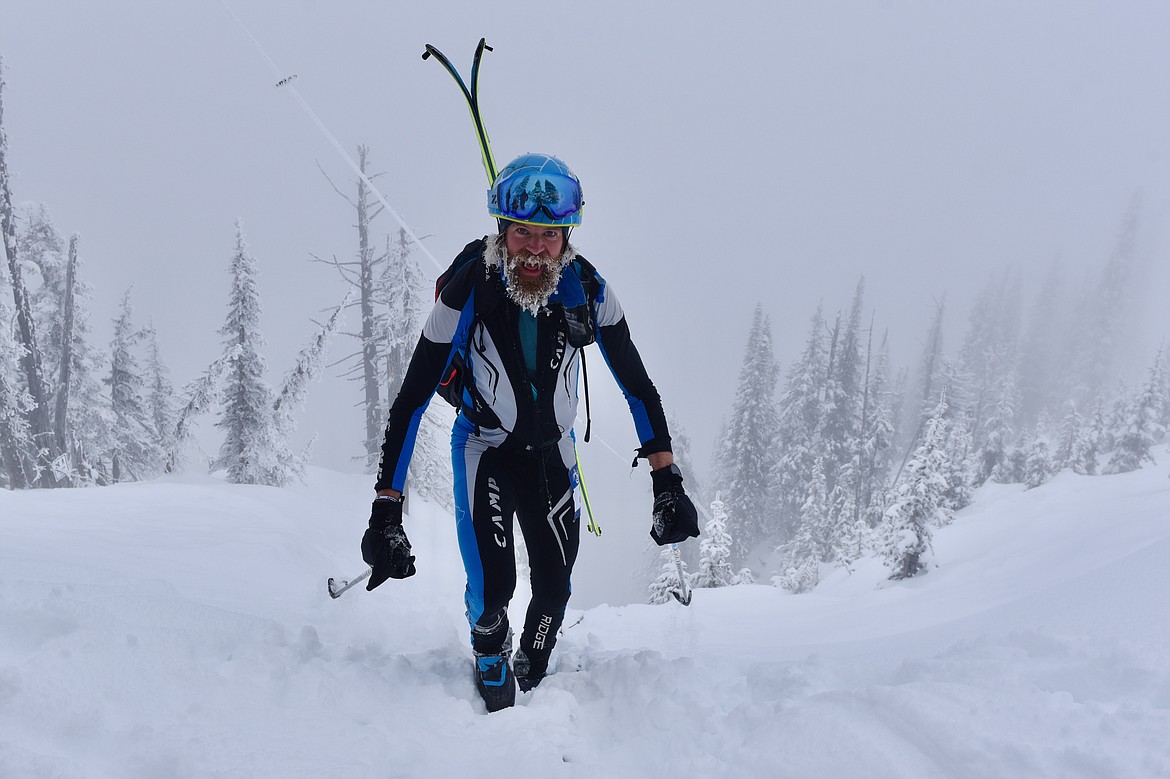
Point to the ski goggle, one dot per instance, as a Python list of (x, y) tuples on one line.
[(537, 197)]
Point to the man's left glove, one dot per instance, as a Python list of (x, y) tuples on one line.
[(675, 518), (385, 546)]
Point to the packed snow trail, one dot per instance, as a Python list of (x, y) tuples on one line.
[(182, 629)]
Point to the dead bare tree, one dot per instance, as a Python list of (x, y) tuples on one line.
[(362, 274)]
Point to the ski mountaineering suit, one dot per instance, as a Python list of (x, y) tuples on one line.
[(512, 444)]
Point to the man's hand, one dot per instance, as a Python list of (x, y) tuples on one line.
[(384, 545), (675, 518)]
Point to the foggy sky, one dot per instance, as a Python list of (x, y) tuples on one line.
[(729, 152)]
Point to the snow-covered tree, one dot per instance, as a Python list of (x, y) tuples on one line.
[(291, 397), (136, 453), (877, 438), (798, 428), (160, 394), (84, 422), (15, 440), (715, 549), (1038, 464), (991, 459), (197, 398), (249, 451), (843, 398), (959, 493), (43, 449), (1142, 426), (802, 555), (802, 576), (988, 356), (744, 455), (1097, 336), (400, 292), (1039, 362), (919, 501)]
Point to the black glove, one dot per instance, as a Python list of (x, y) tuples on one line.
[(385, 546), (675, 518)]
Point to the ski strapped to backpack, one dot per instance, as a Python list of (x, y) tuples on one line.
[(472, 97)]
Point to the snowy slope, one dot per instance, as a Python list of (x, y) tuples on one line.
[(181, 629)]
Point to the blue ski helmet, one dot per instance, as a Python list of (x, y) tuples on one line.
[(536, 189)]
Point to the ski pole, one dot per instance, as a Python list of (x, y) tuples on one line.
[(336, 588), (683, 593)]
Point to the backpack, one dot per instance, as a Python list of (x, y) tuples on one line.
[(457, 377)]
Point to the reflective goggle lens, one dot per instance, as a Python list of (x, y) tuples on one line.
[(522, 197)]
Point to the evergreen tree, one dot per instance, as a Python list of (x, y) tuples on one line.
[(42, 253), (15, 439), (249, 450), (1099, 332), (715, 549), (919, 501), (1076, 446), (877, 442), (1116, 418), (42, 450), (798, 428), (680, 442), (841, 415), (400, 292), (802, 555), (84, 421), (1038, 466), (1039, 363), (136, 454), (1142, 427), (1097, 433), (988, 357), (744, 455), (959, 490), (998, 433), (160, 395)]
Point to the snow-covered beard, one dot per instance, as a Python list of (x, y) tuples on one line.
[(531, 294)]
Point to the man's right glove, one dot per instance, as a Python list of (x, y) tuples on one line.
[(384, 545), (675, 518)]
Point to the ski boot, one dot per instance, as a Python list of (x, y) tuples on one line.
[(495, 681), (529, 671)]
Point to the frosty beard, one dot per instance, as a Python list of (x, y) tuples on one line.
[(531, 293)]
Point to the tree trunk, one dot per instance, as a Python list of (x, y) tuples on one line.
[(375, 424), (64, 380)]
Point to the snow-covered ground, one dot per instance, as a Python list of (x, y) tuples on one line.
[(182, 629)]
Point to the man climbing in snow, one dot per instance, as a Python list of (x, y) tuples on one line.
[(504, 344)]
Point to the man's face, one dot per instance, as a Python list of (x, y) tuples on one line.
[(533, 263), (535, 242)]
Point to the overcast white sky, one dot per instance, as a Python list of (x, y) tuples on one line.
[(730, 153)]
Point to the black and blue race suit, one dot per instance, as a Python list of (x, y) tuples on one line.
[(512, 445)]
